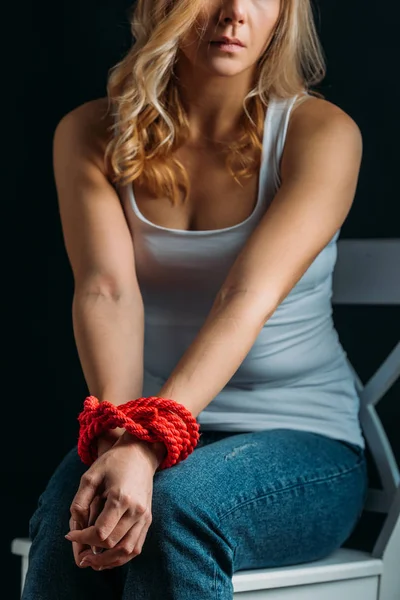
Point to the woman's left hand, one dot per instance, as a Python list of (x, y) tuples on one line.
[(123, 478)]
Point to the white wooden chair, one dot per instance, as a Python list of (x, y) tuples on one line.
[(367, 272)]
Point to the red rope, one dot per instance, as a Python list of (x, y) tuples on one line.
[(152, 419)]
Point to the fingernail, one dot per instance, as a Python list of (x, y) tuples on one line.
[(68, 537), (84, 562), (97, 550)]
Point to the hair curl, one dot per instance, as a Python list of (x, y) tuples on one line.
[(149, 121)]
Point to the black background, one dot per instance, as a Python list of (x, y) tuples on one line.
[(60, 56)]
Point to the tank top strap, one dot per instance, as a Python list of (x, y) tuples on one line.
[(282, 110)]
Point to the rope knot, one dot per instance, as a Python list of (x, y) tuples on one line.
[(149, 418)]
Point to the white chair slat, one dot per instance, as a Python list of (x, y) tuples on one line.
[(367, 272), (390, 531), (373, 430), (387, 548), (383, 379), (357, 380), (381, 450)]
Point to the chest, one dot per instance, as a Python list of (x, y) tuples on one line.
[(216, 200)]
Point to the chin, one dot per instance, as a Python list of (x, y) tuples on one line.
[(225, 70)]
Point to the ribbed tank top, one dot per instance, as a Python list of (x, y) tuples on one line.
[(296, 375)]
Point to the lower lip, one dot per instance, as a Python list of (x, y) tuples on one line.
[(227, 47)]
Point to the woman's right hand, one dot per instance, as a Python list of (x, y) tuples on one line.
[(104, 443), (82, 550), (123, 477)]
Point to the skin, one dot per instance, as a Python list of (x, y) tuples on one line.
[(319, 172), (213, 83)]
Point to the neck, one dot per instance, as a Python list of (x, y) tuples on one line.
[(214, 104)]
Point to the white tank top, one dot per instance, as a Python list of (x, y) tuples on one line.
[(296, 375)]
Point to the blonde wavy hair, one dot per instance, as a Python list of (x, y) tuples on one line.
[(149, 121)]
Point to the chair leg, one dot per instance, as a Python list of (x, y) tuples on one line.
[(24, 568)]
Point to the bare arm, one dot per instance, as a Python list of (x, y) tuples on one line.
[(319, 173), (107, 309)]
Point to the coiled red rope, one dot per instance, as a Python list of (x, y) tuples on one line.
[(152, 419)]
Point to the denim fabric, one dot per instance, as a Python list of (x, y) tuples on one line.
[(239, 501)]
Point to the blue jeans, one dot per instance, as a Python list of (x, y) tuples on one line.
[(239, 501)]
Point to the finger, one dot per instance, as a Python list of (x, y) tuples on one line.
[(137, 549), (95, 509), (93, 537), (128, 548), (124, 526), (114, 509), (88, 488), (115, 506), (78, 550), (79, 555)]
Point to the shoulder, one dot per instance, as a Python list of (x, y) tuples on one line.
[(317, 112), (317, 125), (88, 129), (318, 115), (92, 114)]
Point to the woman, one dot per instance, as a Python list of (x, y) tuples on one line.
[(202, 237)]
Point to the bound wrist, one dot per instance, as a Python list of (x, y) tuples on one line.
[(112, 435), (156, 450), (180, 440)]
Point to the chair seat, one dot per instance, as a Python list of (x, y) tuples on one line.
[(341, 564)]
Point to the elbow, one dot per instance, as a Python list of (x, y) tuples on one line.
[(106, 288), (253, 305)]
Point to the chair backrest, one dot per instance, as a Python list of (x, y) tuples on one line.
[(367, 272)]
